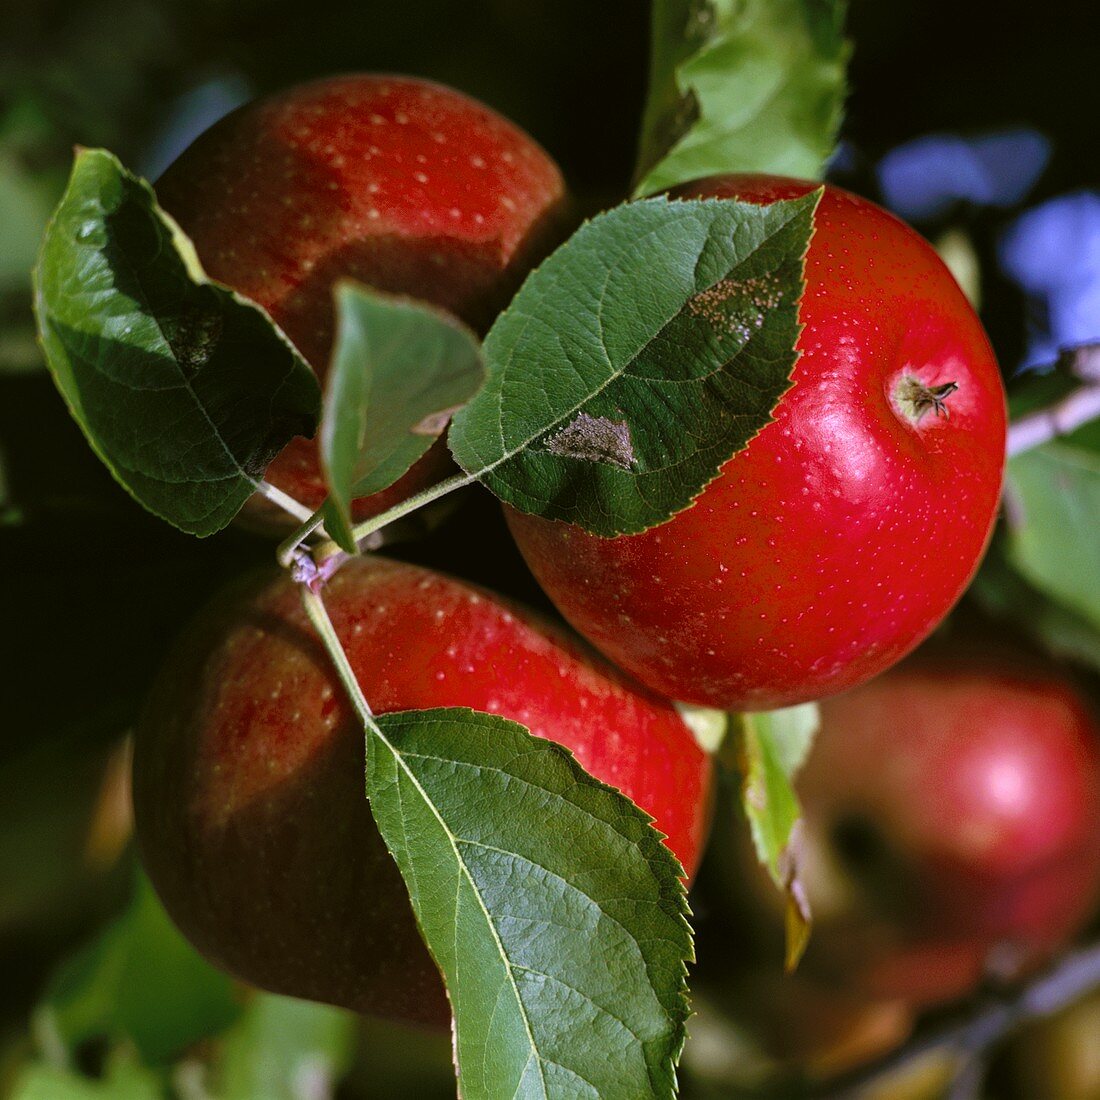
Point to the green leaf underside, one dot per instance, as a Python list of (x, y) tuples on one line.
[(753, 86), (1052, 535), (549, 902), (400, 368), (638, 359), (185, 390), (776, 744)]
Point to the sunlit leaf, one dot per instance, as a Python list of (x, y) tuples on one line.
[(752, 86), (775, 745)]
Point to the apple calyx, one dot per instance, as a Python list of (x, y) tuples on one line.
[(914, 399)]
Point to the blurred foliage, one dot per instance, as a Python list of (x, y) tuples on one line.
[(139, 982), (123, 1078)]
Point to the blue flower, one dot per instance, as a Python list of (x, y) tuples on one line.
[(1053, 253), (926, 177)]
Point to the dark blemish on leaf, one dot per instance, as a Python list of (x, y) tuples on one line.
[(193, 337), (594, 439), (737, 307), (434, 423)]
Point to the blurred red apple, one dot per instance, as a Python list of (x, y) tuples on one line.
[(952, 825)]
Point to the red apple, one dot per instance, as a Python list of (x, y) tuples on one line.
[(952, 826), (248, 774), (404, 185), (842, 534)]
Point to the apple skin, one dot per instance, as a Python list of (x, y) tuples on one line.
[(401, 184), (250, 811), (951, 826), (843, 533)]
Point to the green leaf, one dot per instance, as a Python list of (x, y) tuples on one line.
[(139, 981), (1052, 498), (184, 389), (634, 362), (775, 745), (1002, 592), (549, 902), (742, 86), (284, 1049), (400, 370), (123, 1080)]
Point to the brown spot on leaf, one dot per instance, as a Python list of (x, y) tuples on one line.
[(737, 307), (193, 336), (594, 439)]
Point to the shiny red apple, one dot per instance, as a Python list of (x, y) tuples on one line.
[(847, 528), (250, 807), (401, 184)]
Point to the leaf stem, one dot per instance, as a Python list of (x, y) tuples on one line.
[(319, 617), (288, 504), (411, 504), (1061, 418)]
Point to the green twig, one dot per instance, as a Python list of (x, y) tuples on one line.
[(319, 617), (411, 504)]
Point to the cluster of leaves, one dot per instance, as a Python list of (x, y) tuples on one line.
[(186, 391)]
